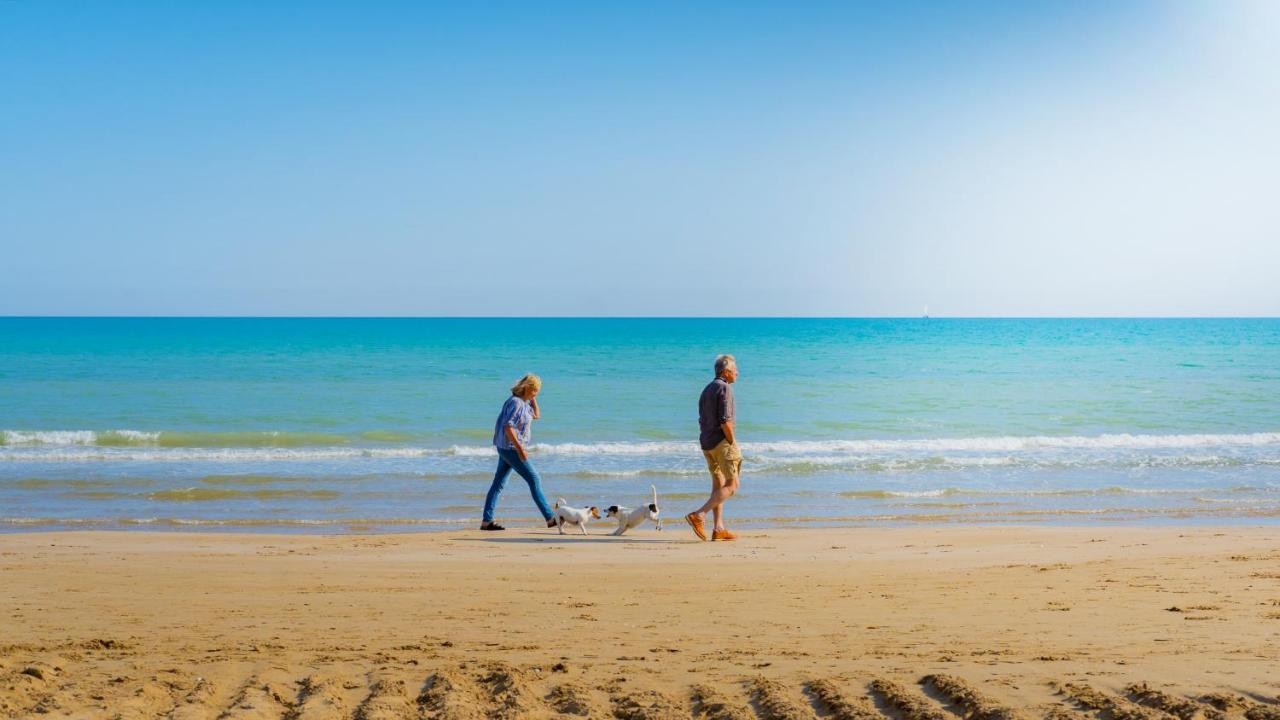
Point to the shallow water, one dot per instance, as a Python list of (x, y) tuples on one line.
[(385, 423)]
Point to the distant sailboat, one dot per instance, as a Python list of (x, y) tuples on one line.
[(926, 312)]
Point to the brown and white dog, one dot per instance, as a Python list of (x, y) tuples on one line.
[(566, 515)]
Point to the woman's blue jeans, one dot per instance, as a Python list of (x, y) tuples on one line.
[(509, 460)]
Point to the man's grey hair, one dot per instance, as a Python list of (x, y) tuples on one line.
[(724, 362)]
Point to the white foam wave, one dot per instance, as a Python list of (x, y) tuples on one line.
[(1020, 443), (66, 454), (48, 437), (84, 445), (941, 492), (993, 444), (473, 450)]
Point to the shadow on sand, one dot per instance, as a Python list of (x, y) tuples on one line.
[(570, 539)]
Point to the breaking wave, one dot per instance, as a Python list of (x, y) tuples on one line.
[(651, 458), (284, 439)]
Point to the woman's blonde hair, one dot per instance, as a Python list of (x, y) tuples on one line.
[(528, 382)]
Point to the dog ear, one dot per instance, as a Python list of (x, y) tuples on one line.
[(653, 508), (613, 510)]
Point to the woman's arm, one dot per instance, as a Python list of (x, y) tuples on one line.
[(514, 439), (533, 403)]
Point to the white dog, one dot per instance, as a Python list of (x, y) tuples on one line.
[(630, 518), (566, 515)]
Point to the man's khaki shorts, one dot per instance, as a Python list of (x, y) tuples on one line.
[(724, 461)]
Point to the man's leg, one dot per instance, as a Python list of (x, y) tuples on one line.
[(725, 463), (723, 485), (727, 490), (732, 470), (721, 490), (717, 513)]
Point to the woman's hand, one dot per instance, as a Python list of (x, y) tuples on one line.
[(533, 405), (514, 439)]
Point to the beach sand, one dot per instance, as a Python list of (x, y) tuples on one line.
[(918, 623)]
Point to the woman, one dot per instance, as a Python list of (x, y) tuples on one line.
[(511, 438)]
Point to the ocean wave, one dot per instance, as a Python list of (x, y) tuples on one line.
[(1012, 443), (1003, 443), (675, 465), (255, 479), (145, 438), (204, 494), (998, 443), (888, 494), (977, 516), (778, 456), (75, 483), (879, 494), (272, 454), (639, 473)]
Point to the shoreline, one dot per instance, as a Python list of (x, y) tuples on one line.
[(1028, 519), (207, 625)]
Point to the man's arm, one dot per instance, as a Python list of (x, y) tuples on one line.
[(727, 415)]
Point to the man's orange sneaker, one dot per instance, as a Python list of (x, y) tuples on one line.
[(695, 522), (723, 535)]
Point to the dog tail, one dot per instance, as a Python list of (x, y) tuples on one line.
[(560, 501), (654, 488)]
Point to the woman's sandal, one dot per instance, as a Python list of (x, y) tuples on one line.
[(552, 523)]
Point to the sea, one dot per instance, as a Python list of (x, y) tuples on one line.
[(334, 425)]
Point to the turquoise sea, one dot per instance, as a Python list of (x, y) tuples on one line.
[(376, 424)]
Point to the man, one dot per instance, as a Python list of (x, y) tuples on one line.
[(719, 447)]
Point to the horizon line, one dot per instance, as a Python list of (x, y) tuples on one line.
[(637, 317)]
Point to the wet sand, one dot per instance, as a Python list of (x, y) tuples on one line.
[(992, 623)]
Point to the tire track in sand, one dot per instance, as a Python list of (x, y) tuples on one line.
[(388, 699), (711, 704), (1229, 703), (508, 693), (839, 705), (449, 694), (269, 695), (1143, 694), (911, 705), (320, 698), (197, 704), (575, 699), (976, 706), (1111, 708), (775, 702), (152, 698), (645, 704)]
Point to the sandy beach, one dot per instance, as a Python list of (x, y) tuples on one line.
[(907, 623)]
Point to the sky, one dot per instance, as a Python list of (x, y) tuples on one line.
[(686, 158)]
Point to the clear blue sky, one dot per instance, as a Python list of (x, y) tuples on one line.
[(744, 158)]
